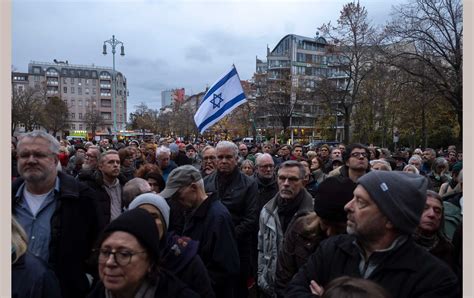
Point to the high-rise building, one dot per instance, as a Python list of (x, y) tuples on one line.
[(84, 88), (285, 80)]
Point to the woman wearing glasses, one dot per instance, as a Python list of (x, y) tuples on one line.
[(128, 257)]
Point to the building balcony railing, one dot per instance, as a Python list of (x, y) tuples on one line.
[(105, 77), (105, 86), (52, 74), (52, 83)]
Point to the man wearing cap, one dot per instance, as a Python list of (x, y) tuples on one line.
[(382, 216), (210, 223), (276, 217), (310, 228)]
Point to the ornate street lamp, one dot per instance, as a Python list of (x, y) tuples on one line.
[(113, 43)]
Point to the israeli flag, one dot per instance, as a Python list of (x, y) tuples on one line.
[(224, 96)]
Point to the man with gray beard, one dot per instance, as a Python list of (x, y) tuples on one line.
[(381, 218)]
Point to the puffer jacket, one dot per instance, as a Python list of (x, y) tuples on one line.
[(270, 237)]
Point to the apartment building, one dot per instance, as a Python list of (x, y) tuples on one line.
[(83, 88)]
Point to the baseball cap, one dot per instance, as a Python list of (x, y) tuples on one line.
[(179, 178)]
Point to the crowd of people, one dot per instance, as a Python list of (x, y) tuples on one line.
[(168, 218)]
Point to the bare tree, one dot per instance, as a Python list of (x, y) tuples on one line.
[(54, 115), (27, 107), (353, 56), (93, 119), (430, 33)]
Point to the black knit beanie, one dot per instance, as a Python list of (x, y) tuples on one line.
[(400, 196), (140, 224), (331, 197)]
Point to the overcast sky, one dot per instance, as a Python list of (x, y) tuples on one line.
[(168, 44)]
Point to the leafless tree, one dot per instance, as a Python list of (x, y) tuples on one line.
[(353, 37), (430, 33)]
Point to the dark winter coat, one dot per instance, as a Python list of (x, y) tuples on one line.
[(102, 199), (301, 240), (32, 278), (168, 286), (179, 256), (240, 198), (406, 271), (74, 230), (211, 225)]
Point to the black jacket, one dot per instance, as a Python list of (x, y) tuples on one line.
[(101, 198), (211, 225), (266, 191), (74, 230), (240, 198), (407, 271), (32, 278), (168, 286)]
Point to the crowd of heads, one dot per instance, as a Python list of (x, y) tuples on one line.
[(374, 194)]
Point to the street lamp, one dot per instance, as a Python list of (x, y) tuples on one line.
[(113, 43)]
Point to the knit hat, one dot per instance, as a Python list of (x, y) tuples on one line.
[(331, 197), (155, 200), (190, 147), (400, 196), (140, 224), (180, 177)]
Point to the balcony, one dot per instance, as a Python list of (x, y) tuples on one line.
[(52, 83), (105, 86)]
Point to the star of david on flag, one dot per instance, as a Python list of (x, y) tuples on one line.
[(222, 98)]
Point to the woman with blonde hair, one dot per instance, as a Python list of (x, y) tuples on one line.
[(31, 276)]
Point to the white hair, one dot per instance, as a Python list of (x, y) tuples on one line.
[(261, 156), (228, 145), (162, 149)]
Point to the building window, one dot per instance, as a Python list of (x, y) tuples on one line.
[(79, 90), (20, 88), (36, 69), (72, 90), (87, 90), (64, 81), (94, 82), (105, 115), (87, 81), (73, 116), (79, 102), (73, 102), (65, 89), (36, 78), (93, 91), (79, 80), (80, 127), (80, 117), (72, 80)]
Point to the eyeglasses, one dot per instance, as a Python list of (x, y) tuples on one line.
[(291, 178), (212, 157), (90, 156), (122, 258), (266, 166), (359, 154)]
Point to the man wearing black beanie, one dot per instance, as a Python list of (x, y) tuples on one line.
[(381, 217)]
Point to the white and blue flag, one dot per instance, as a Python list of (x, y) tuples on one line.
[(224, 96)]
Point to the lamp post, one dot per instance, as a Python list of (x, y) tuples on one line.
[(113, 43)]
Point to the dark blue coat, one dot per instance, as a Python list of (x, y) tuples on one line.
[(32, 278), (211, 225)]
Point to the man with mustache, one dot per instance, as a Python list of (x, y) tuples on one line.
[(381, 218), (56, 212), (275, 218)]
